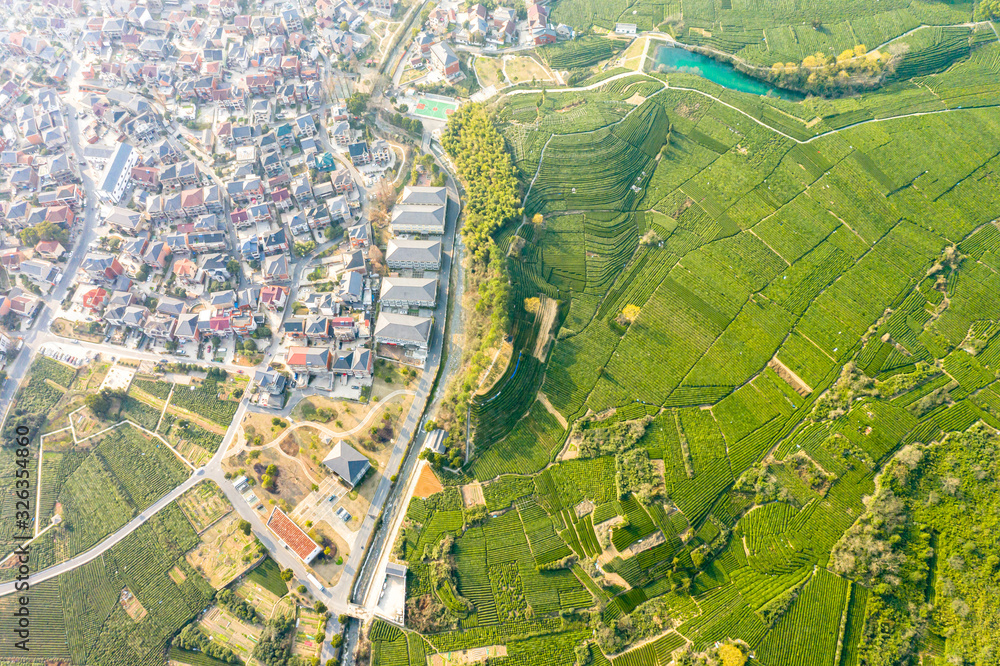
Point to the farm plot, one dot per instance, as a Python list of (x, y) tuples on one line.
[(203, 399), (223, 553)]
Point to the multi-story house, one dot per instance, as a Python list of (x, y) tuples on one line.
[(180, 175), (422, 255), (246, 191), (342, 181), (408, 292), (311, 360)]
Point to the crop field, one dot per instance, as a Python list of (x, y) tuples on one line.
[(765, 305), (583, 52), (203, 399), (102, 488), (78, 617)]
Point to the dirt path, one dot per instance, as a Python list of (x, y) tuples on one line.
[(542, 398), (547, 311), (384, 402), (793, 379)]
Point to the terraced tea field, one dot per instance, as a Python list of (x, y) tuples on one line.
[(776, 318)]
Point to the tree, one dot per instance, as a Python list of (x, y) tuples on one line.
[(532, 304), (537, 218), (344, 26), (357, 103), (628, 314), (99, 403), (305, 247), (233, 267), (245, 526), (287, 575)]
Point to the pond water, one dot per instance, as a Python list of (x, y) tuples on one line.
[(676, 59)]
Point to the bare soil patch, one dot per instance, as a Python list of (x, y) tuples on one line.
[(131, 605), (583, 508), (548, 308), (203, 505), (428, 483), (472, 494), (649, 542), (790, 377), (219, 555), (326, 568), (468, 657)]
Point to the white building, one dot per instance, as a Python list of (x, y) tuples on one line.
[(117, 174)]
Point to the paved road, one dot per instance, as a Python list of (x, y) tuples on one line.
[(85, 237), (412, 423), (450, 293)]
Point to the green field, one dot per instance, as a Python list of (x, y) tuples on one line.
[(79, 617), (762, 310)]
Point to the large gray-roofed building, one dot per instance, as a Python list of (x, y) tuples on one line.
[(347, 462), (419, 254), (418, 219), (404, 330), (404, 292), (424, 196)]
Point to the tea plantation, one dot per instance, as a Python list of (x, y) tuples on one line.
[(776, 360)]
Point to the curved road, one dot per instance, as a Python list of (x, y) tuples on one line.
[(667, 86)]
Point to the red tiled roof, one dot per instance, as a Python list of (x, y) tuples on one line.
[(185, 267), (296, 355), (291, 534), (219, 323), (272, 293), (95, 298)]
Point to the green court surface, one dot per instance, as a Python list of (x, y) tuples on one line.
[(430, 108)]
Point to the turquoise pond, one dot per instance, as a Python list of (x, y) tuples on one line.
[(676, 59)]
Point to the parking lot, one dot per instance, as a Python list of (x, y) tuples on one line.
[(74, 357), (322, 504)]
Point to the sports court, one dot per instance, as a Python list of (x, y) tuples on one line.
[(433, 108)]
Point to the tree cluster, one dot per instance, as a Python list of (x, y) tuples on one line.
[(44, 231), (191, 638), (472, 140), (854, 69), (987, 10), (235, 605), (409, 124)]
